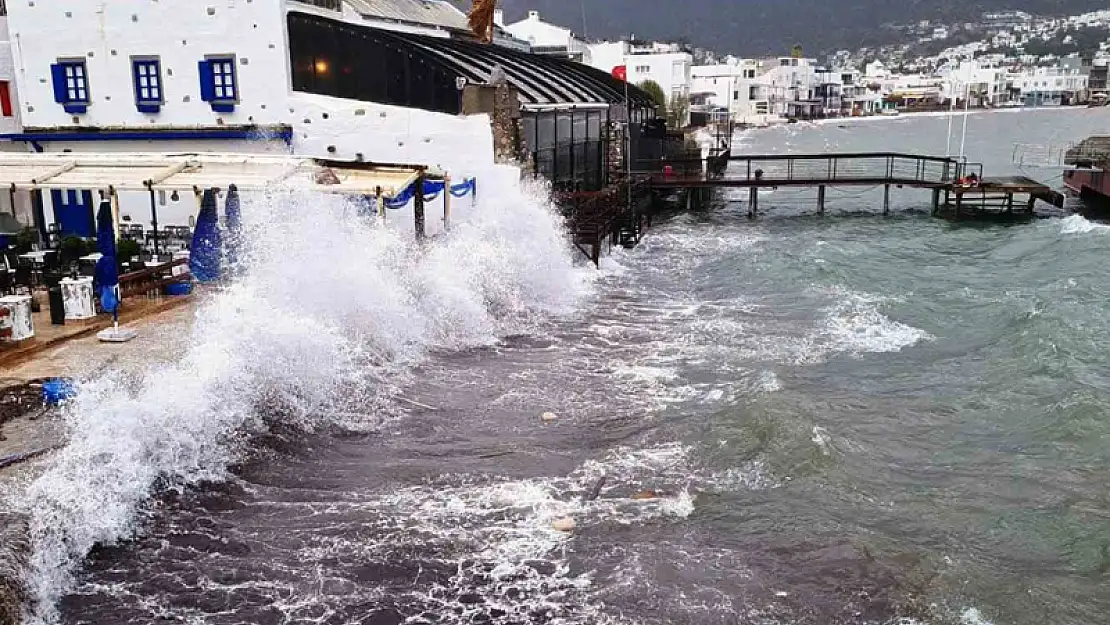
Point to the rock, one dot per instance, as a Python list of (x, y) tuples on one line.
[(645, 495), (565, 524), (549, 417)]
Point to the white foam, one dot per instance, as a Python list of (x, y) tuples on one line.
[(1078, 224), (329, 307), (972, 616), (856, 325)]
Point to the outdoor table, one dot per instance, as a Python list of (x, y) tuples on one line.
[(77, 297), (180, 269), (18, 319), (38, 257)]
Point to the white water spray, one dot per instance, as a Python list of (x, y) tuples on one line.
[(329, 306)]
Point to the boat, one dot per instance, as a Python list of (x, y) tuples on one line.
[(1085, 174)]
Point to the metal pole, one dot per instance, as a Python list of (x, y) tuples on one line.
[(967, 104), (951, 114), (446, 203), (153, 216), (418, 206), (628, 149)]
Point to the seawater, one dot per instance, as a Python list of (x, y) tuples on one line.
[(852, 419)]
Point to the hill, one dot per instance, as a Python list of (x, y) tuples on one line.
[(750, 27)]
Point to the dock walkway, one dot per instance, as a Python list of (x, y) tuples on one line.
[(1012, 195)]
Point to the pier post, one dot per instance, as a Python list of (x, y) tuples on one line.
[(1009, 202), (418, 206), (886, 199), (821, 199), (959, 203), (936, 201), (753, 202), (1032, 203)]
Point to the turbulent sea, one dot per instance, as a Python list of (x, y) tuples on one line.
[(852, 419)]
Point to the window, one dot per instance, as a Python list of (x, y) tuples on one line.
[(753, 92), (147, 75), (736, 95), (71, 85), (643, 69), (749, 73), (218, 85), (6, 98)]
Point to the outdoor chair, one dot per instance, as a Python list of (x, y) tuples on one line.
[(22, 279)]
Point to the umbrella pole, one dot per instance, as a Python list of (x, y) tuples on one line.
[(153, 215)]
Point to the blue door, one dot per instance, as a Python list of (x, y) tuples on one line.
[(73, 212)]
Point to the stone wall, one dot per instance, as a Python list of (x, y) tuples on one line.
[(502, 103), (14, 549)]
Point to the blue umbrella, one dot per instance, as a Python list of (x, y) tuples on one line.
[(233, 244), (204, 258), (106, 273)]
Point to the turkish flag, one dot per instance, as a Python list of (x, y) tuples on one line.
[(620, 72)]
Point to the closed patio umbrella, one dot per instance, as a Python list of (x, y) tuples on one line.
[(106, 274), (204, 258)]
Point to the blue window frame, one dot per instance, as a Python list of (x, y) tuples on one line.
[(147, 76), (218, 84), (71, 85)]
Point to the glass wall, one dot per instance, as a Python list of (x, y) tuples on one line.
[(568, 147)]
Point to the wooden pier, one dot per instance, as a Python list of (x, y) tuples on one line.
[(1012, 196)]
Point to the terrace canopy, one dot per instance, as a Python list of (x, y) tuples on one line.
[(146, 171)]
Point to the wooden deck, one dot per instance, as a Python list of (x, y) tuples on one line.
[(48, 336)]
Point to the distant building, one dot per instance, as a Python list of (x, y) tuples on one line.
[(668, 64), (546, 38), (738, 85)]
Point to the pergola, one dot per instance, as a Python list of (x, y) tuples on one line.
[(151, 172)]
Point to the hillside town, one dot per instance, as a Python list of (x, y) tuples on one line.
[(998, 69)]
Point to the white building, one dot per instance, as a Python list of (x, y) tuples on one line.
[(1051, 86), (793, 85), (115, 76), (982, 85), (738, 85), (667, 64), (546, 38)]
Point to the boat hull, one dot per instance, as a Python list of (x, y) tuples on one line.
[(1090, 186)]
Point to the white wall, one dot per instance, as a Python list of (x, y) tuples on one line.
[(7, 74), (671, 71), (106, 34)]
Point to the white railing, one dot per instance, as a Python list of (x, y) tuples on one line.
[(1041, 154)]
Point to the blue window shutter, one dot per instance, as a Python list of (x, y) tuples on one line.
[(61, 95), (207, 81)]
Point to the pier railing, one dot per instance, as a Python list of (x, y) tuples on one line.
[(818, 169)]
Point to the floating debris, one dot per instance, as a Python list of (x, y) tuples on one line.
[(549, 417), (565, 524)]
